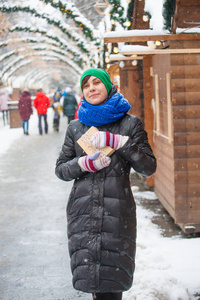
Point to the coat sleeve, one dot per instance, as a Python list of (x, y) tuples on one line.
[(35, 102), (137, 150), (30, 106), (67, 167)]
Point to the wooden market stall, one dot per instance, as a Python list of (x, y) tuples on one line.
[(14, 116), (171, 85)]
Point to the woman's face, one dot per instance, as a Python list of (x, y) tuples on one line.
[(95, 91)]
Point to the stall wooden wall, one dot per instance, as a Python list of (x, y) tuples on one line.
[(163, 148), (178, 174), (186, 115), (130, 87)]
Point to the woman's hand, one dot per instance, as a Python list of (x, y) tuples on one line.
[(102, 139), (92, 163)]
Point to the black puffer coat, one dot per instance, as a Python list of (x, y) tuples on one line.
[(101, 209)]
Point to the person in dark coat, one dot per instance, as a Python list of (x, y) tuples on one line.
[(69, 104), (101, 211), (25, 110)]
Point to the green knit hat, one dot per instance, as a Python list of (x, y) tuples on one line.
[(101, 74)]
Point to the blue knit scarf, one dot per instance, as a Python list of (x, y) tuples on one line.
[(96, 115)]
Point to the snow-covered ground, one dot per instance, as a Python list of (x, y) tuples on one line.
[(166, 268)]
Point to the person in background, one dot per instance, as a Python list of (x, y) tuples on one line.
[(57, 108), (25, 110), (69, 104), (4, 98), (41, 103), (101, 212), (57, 95)]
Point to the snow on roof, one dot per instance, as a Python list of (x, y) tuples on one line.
[(155, 9), (137, 32)]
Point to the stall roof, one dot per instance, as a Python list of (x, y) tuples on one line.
[(146, 35)]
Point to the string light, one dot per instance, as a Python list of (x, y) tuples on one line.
[(121, 64), (158, 43), (134, 62), (115, 50), (145, 18), (128, 24)]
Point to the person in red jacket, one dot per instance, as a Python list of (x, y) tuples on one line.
[(25, 109), (41, 103)]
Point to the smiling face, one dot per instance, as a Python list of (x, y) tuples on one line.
[(95, 91)]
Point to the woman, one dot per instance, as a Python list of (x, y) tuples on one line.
[(101, 209), (4, 99), (25, 110)]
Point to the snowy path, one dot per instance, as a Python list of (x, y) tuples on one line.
[(34, 256)]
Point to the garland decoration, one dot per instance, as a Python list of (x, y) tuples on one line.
[(79, 61), (62, 27), (72, 12), (168, 12), (116, 12), (6, 55), (46, 57), (9, 66), (80, 44), (130, 12)]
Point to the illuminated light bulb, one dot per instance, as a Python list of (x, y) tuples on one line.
[(112, 22), (121, 64), (107, 53), (128, 24), (115, 50), (134, 62), (158, 43), (107, 60), (145, 18), (108, 66)]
